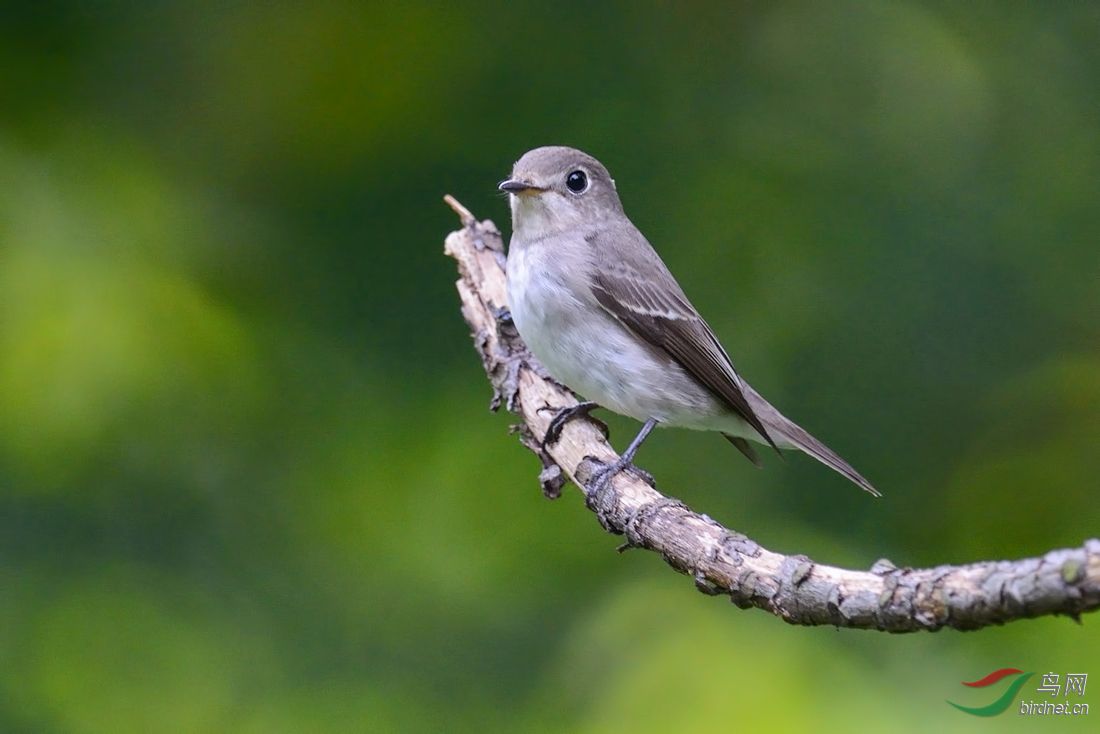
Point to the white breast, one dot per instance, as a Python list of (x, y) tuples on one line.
[(590, 351)]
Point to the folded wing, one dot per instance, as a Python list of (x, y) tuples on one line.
[(645, 297)]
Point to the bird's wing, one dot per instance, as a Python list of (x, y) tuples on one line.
[(634, 285)]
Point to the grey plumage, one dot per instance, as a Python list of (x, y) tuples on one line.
[(598, 306), (636, 287)]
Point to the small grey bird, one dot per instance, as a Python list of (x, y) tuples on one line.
[(599, 308)]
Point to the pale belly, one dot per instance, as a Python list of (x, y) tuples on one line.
[(592, 353)]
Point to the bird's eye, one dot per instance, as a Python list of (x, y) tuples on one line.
[(577, 182)]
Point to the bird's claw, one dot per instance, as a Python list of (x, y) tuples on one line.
[(602, 475), (564, 415)]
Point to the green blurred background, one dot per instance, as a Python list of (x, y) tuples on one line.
[(248, 481)]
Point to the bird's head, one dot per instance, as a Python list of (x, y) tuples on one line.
[(555, 188)]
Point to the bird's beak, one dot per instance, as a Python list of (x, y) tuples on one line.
[(516, 186)]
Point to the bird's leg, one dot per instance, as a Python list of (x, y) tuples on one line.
[(564, 415), (602, 476)]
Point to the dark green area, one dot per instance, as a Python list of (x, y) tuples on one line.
[(248, 481)]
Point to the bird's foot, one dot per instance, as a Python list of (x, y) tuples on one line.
[(564, 415), (596, 497), (600, 478)]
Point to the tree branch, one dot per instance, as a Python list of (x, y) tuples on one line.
[(794, 588)]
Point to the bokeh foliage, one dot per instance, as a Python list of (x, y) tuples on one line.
[(247, 478)]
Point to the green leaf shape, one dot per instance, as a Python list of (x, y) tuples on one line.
[(1001, 703)]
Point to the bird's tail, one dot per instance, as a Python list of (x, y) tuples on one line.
[(788, 434)]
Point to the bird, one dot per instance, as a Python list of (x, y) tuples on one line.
[(598, 307)]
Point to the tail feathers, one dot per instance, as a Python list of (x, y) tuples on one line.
[(788, 434), (803, 441), (745, 448)]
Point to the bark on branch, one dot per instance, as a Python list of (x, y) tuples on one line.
[(792, 587)]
